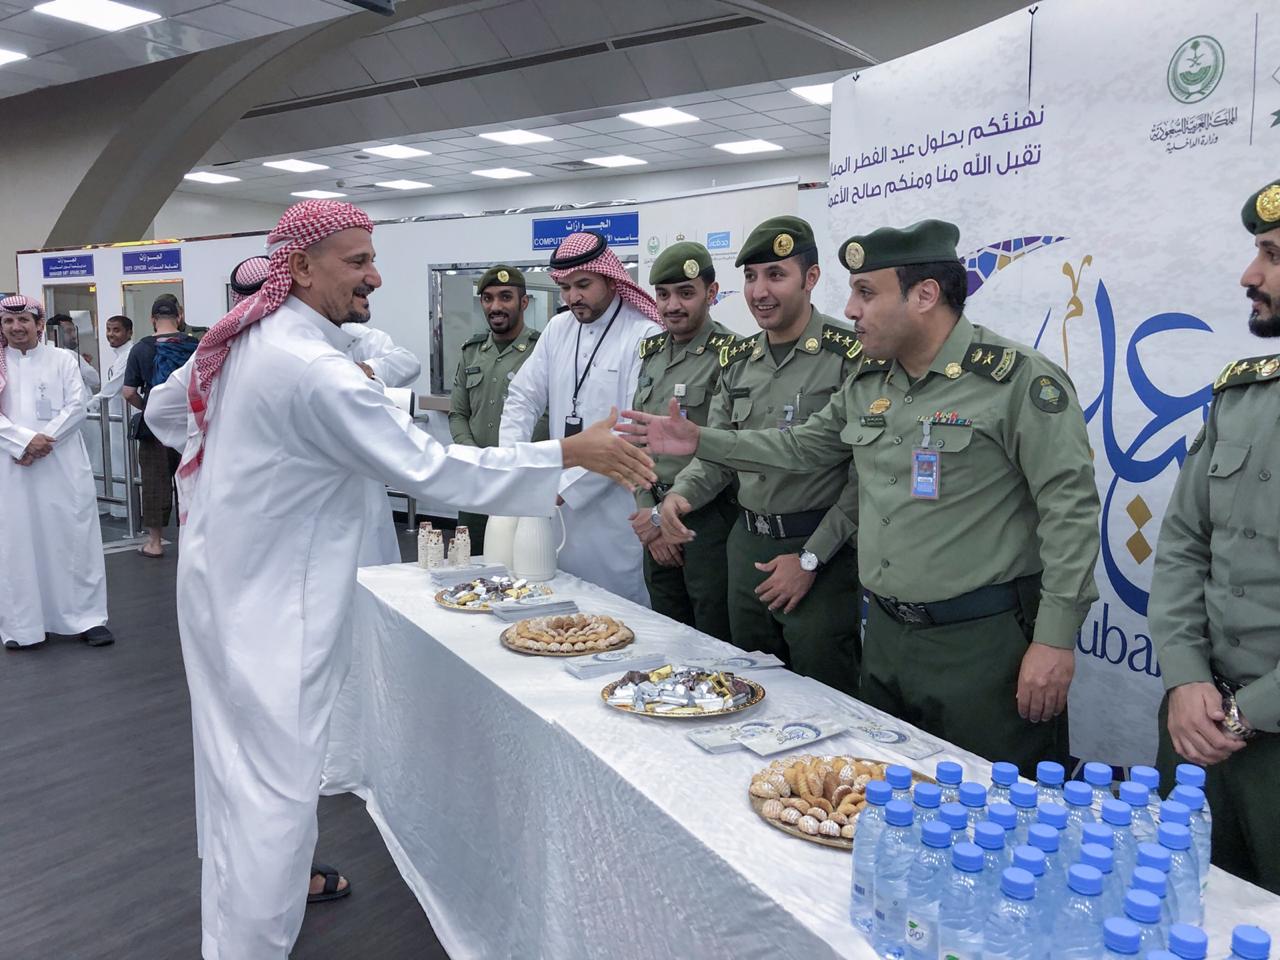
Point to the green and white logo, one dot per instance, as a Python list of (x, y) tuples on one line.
[(1196, 69), (654, 245)]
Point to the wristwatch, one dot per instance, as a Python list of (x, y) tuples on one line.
[(809, 561), (655, 517), (1234, 722)]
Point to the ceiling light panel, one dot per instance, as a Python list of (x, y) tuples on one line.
[(100, 14), (819, 93), (395, 151), (516, 138), (661, 117), (203, 177), (616, 161), (10, 56), (318, 194), (748, 146), (502, 173), (403, 185), (295, 166)]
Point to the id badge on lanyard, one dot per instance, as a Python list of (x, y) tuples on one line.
[(44, 406), (926, 469), (790, 413)]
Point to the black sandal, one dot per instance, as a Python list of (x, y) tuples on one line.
[(331, 880)]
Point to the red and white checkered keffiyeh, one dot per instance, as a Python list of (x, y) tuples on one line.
[(13, 305), (303, 225), (248, 277), (607, 265)]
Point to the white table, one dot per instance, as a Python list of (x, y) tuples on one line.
[(533, 821)]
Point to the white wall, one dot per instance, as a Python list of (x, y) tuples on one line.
[(199, 215)]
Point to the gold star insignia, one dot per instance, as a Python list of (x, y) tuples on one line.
[(989, 358)]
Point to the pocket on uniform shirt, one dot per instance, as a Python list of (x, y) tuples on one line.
[(856, 435), (1229, 457), (741, 411), (474, 380)]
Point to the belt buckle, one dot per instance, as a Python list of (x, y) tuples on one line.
[(914, 613), (762, 526)]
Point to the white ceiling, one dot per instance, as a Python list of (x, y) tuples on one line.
[(62, 52)]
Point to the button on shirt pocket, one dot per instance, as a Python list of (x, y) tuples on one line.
[(1225, 474)]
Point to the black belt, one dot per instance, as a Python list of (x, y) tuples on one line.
[(781, 526), (983, 602)]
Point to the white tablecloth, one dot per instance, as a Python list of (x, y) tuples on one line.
[(533, 821)]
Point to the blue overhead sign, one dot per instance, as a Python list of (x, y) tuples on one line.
[(153, 261), (719, 240), (76, 265), (620, 229)]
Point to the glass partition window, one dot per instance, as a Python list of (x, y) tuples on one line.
[(138, 296)]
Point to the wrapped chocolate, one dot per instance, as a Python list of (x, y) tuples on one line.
[(674, 690)]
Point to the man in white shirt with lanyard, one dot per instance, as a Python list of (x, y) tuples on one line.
[(586, 361)]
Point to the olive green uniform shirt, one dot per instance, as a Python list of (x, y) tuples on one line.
[(754, 394), (480, 388), (1017, 494), (1215, 591), (664, 364)]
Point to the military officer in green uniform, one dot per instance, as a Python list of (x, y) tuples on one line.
[(489, 362), (792, 570), (686, 582), (978, 514), (1215, 593)]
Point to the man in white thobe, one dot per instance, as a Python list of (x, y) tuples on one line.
[(115, 358), (586, 361), (282, 437), (50, 544)]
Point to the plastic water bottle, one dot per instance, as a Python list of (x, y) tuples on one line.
[(1193, 799), (949, 774), (926, 797), (1120, 937), (1049, 778), (1143, 908), (1188, 942), (1013, 927), (1096, 855), (1004, 815), (1079, 801), (1024, 800), (870, 826), (1174, 811), (1152, 873), (973, 797), (1032, 860), (1053, 815), (1052, 888), (957, 818), (1118, 815), (895, 851), (1149, 777), (1099, 833), (925, 881), (899, 779), (1189, 775), (1077, 927), (996, 858), (1184, 879), (1003, 776), (1249, 943), (1138, 797), (1160, 955), (962, 911), (1099, 776)]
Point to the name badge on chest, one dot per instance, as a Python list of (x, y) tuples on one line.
[(926, 469), (44, 405)]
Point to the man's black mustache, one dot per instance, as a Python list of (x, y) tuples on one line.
[(363, 291), (1253, 293)]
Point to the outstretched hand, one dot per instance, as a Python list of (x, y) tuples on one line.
[(600, 450), (673, 434)]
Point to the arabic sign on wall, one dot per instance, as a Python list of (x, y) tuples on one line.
[(168, 260), (620, 229), (1098, 197), (76, 265)]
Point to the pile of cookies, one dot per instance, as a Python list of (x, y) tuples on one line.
[(819, 796), (576, 633)]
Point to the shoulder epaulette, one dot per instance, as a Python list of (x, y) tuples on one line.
[(1243, 372), (842, 341), (738, 350), (534, 334), (871, 366), (478, 338), (650, 345), (718, 340), (992, 360)]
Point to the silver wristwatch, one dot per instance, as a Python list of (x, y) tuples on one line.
[(809, 561), (655, 517), (1234, 722)]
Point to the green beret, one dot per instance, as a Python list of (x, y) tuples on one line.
[(502, 276), (777, 239), (1262, 210), (929, 241), (680, 262)]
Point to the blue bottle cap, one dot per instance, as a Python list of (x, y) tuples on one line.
[(1190, 797), (1097, 774), (1121, 936), (973, 794), (1098, 833), (1149, 777), (1189, 775), (1153, 855), (948, 772), (879, 793), (967, 856), (1188, 942), (988, 835), (935, 834), (1049, 773), (1077, 794), (1043, 837), (1142, 905), (953, 815), (1054, 814), (898, 776), (1117, 812), (898, 813), (927, 795), (1250, 942), (1174, 835), (1096, 855), (1004, 773), (1085, 879), (1023, 795), (1003, 814), (1030, 859), (1171, 811), (1150, 880), (1018, 884), (1135, 794)]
